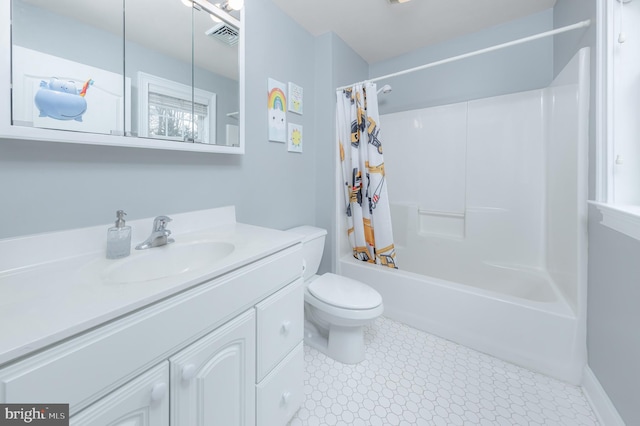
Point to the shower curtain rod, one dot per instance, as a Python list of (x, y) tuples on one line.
[(581, 24)]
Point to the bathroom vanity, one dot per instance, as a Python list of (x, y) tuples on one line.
[(207, 330)]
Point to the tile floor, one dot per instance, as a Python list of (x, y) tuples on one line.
[(413, 378)]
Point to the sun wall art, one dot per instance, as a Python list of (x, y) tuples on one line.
[(277, 108), (294, 138)]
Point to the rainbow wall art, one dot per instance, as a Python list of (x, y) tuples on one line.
[(277, 107)]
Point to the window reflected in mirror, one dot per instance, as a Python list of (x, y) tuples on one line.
[(173, 111)]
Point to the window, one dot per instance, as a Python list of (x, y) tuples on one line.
[(618, 116), (167, 112)]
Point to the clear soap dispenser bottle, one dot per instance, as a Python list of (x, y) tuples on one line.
[(119, 238)]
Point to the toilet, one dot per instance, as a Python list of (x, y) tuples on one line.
[(336, 308)]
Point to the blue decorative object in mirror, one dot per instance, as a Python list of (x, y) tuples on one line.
[(61, 100)]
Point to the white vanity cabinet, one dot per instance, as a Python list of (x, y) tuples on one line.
[(189, 359)]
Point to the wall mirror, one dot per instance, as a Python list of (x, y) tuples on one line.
[(146, 73)]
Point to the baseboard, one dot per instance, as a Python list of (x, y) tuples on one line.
[(602, 406)]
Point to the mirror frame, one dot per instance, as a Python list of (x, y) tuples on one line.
[(9, 131)]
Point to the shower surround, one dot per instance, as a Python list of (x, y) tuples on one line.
[(488, 202)]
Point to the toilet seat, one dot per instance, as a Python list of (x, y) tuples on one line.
[(343, 292)]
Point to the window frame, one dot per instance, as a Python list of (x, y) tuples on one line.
[(180, 91), (622, 218)]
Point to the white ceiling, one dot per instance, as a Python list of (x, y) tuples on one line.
[(378, 31)]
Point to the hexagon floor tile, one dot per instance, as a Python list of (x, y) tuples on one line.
[(413, 378)]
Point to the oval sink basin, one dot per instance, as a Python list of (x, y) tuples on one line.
[(165, 261)]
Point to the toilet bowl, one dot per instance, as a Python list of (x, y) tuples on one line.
[(336, 308)]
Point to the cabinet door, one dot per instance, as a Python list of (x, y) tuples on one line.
[(144, 401), (212, 380)]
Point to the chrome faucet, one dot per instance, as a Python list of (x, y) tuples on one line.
[(159, 235)]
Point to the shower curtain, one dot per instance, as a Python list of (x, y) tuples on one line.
[(365, 192)]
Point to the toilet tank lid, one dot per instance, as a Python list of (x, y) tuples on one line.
[(308, 232)]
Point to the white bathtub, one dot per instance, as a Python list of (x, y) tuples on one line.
[(540, 332), (488, 207)]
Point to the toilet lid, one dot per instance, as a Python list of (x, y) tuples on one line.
[(344, 292)]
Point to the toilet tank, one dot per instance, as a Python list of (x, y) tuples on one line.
[(312, 248)]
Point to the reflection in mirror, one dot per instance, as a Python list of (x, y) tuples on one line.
[(67, 66), (185, 83), (215, 44), (180, 80), (158, 60)]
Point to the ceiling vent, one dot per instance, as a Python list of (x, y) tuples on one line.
[(224, 32)]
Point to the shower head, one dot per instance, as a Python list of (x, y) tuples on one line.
[(384, 89)]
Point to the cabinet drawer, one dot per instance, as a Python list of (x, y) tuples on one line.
[(281, 393), (280, 326)]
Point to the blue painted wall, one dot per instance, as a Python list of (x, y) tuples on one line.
[(514, 69)]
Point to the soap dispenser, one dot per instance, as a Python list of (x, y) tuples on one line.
[(119, 238)]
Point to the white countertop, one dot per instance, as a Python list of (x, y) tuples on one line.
[(52, 285)]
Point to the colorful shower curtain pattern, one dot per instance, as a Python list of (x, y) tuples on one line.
[(364, 186)]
